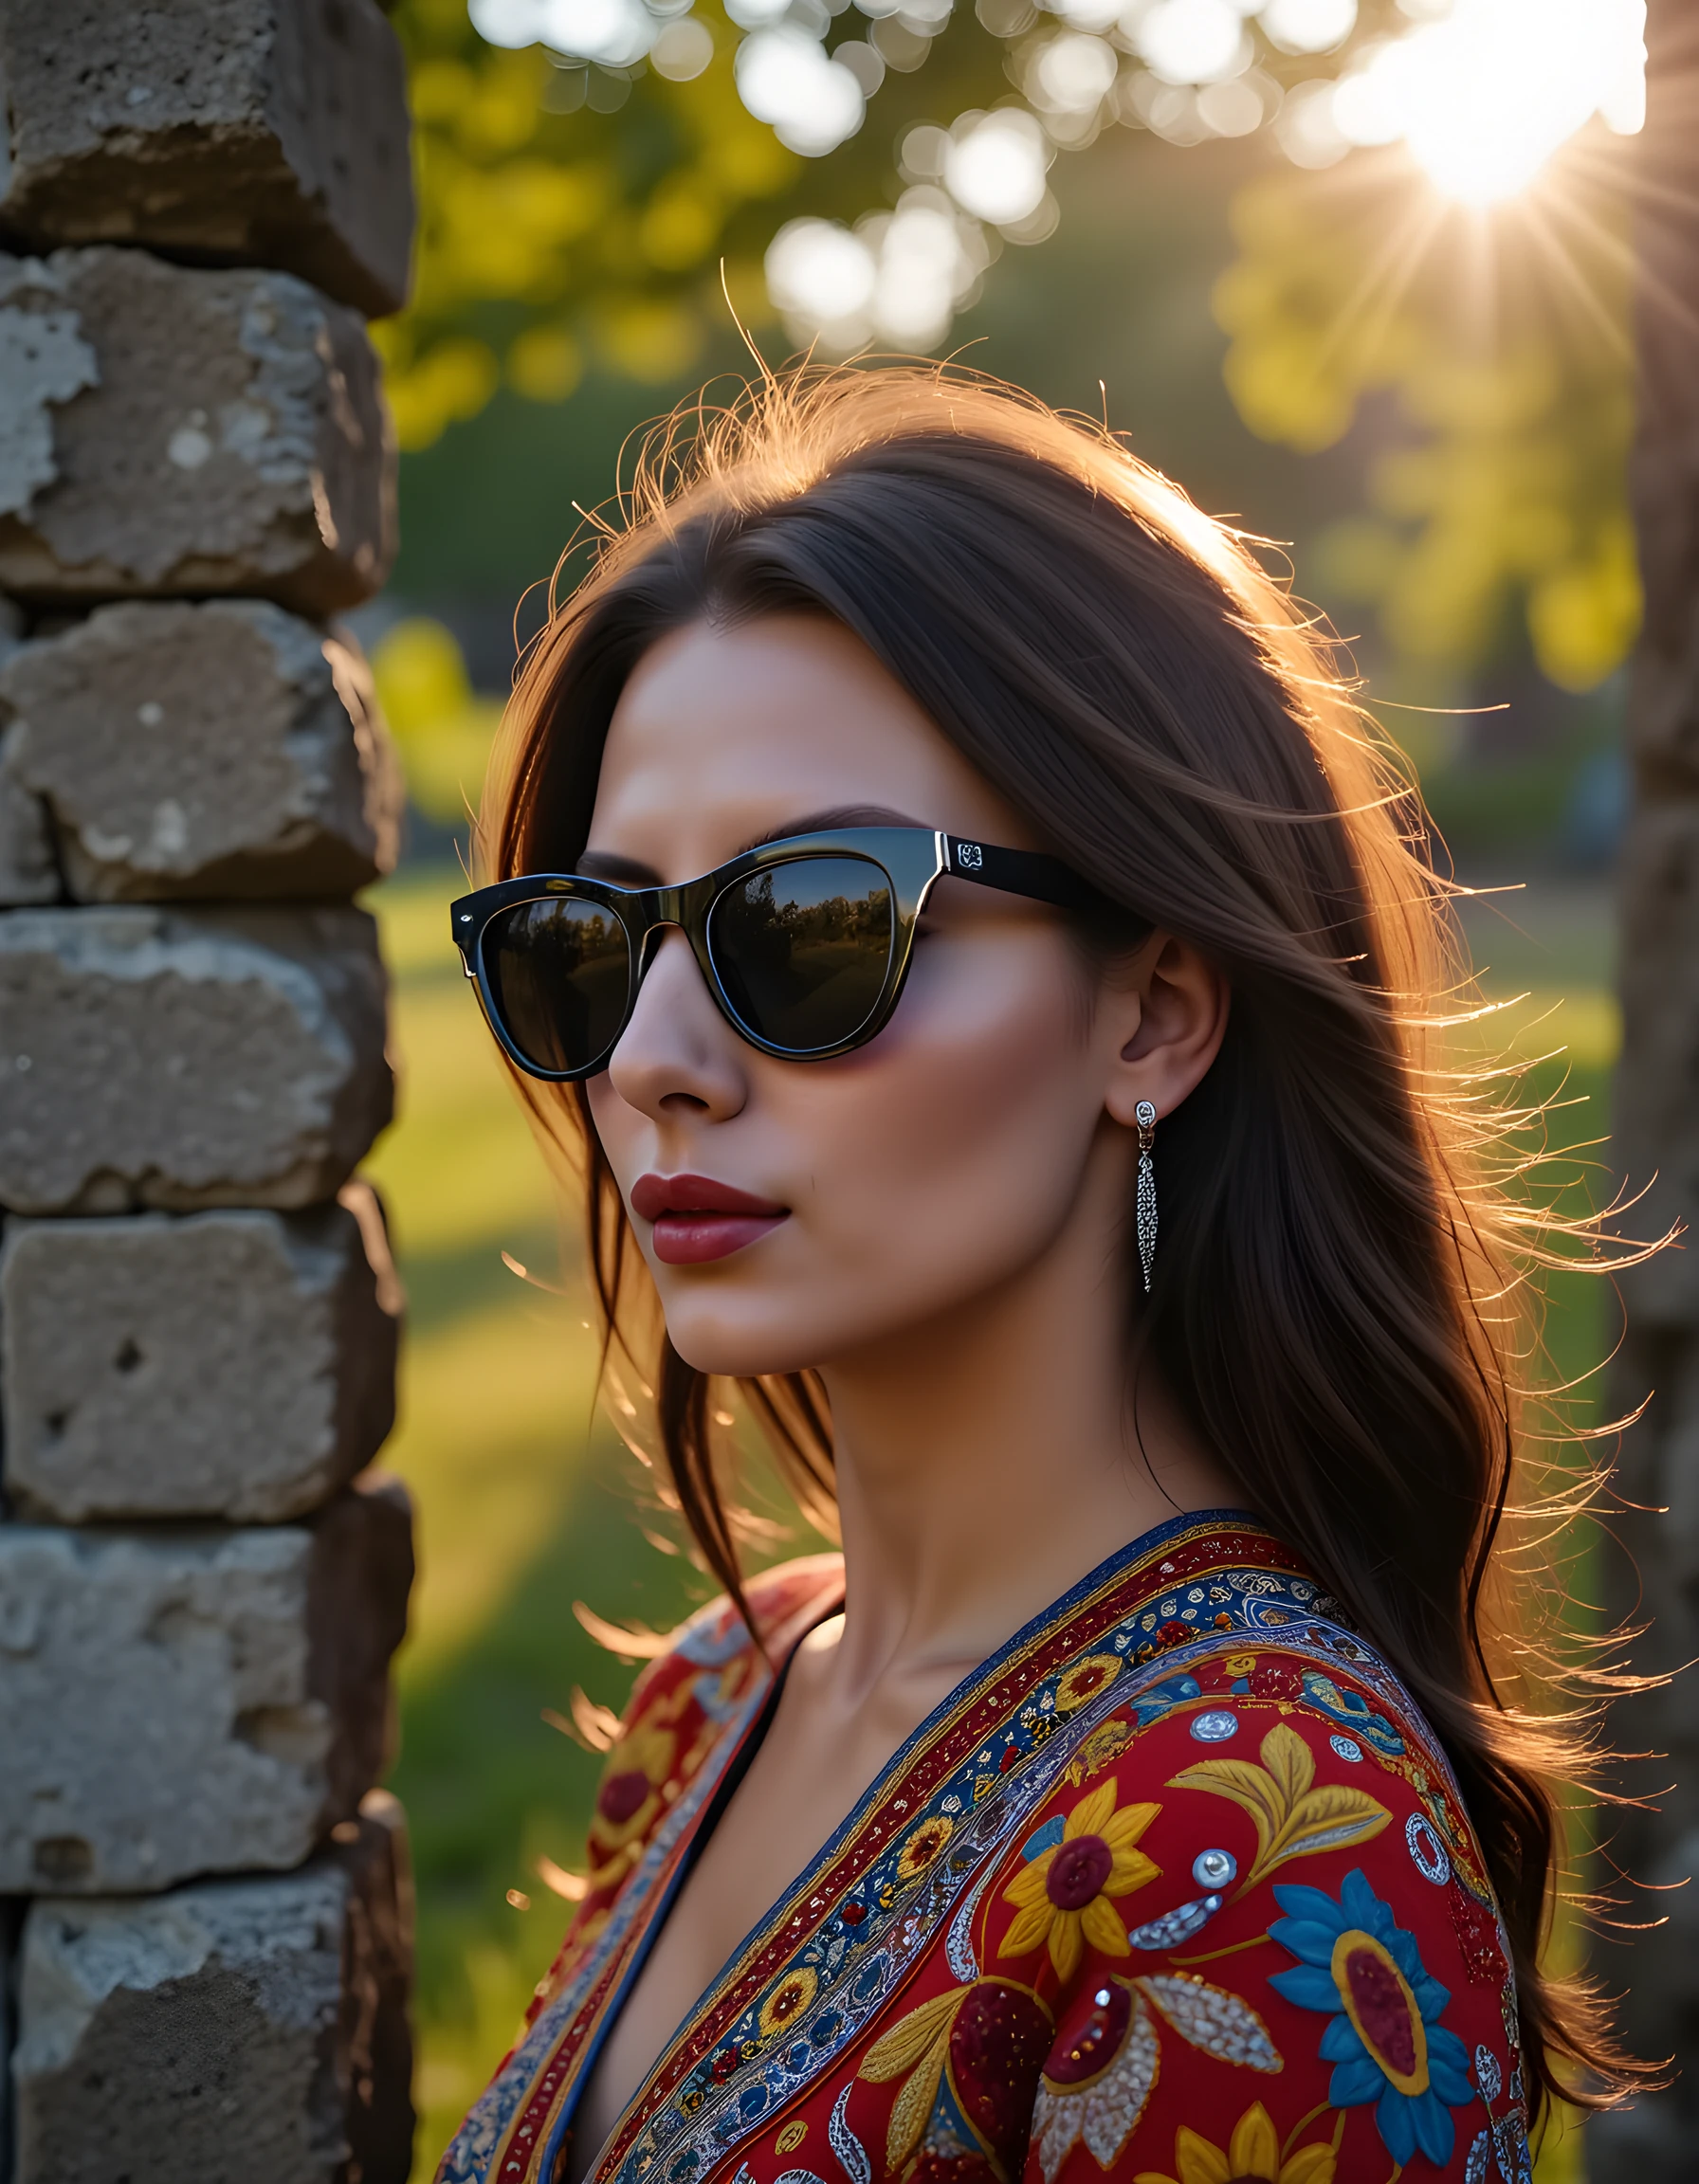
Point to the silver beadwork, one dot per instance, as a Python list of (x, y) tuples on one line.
[(1427, 1852), (1176, 1926), (1214, 1868), (851, 2154), (1145, 1116)]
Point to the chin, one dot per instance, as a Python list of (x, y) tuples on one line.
[(737, 1353), (741, 1337)]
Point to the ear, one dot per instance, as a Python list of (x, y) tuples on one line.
[(1170, 1003)]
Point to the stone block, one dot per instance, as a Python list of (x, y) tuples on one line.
[(175, 431), (185, 1058), (225, 749), (251, 2029), (176, 1703), (235, 1364), (259, 132)]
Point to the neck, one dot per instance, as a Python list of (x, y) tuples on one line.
[(990, 1458)]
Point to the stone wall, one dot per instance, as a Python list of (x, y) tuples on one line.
[(205, 1908), (1654, 1573)]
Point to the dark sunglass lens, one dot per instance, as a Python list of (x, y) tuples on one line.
[(802, 949), (558, 973)]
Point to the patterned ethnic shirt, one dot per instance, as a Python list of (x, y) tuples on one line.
[(1177, 1888)]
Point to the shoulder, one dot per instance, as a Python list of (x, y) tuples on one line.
[(1253, 1887), (688, 1696), (694, 1690)]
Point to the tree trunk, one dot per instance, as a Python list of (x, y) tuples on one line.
[(1655, 1570)]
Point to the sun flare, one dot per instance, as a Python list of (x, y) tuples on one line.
[(1489, 91)]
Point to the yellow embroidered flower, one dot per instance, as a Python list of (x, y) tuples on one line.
[(1062, 1898), (788, 2001), (629, 1796), (1086, 1679), (925, 1846), (1253, 2157)]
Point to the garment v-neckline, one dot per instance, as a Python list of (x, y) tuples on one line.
[(738, 1754), (740, 1757)]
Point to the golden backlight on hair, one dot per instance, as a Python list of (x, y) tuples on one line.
[(1341, 1302)]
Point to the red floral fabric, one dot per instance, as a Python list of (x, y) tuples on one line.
[(1177, 1890)]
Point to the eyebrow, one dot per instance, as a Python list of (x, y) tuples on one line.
[(632, 872), (622, 871), (829, 822)]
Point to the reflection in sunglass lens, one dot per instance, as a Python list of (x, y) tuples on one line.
[(558, 972), (802, 949)]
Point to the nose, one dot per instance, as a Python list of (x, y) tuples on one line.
[(677, 1054)]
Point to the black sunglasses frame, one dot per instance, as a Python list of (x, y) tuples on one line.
[(913, 859)]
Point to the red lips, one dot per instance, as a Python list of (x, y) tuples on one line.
[(696, 1219)]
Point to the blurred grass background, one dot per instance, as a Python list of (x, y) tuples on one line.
[(527, 1501)]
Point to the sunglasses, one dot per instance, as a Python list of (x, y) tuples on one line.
[(804, 942)]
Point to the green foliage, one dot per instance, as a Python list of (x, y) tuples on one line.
[(573, 218), (1501, 357), (546, 232), (442, 729), (570, 216), (567, 214)]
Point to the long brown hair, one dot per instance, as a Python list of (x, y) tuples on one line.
[(1336, 1300)]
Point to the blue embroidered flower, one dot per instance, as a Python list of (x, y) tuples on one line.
[(1385, 2039)]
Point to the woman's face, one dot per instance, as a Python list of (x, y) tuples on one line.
[(894, 1183)]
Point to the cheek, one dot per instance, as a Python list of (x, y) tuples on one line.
[(957, 1148)]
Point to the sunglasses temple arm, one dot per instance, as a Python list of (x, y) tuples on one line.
[(1025, 872)]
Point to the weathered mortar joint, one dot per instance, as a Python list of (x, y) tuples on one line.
[(193, 1701), (221, 750), (178, 431), (256, 131), (29, 865), (263, 2013), (236, 1365), (186, 1059)]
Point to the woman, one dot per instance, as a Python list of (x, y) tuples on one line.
[(946, 895)]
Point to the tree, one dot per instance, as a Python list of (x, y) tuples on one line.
[(1656, 1578), (594, 204)]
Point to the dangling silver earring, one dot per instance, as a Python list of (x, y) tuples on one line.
[(1145, 1116)]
